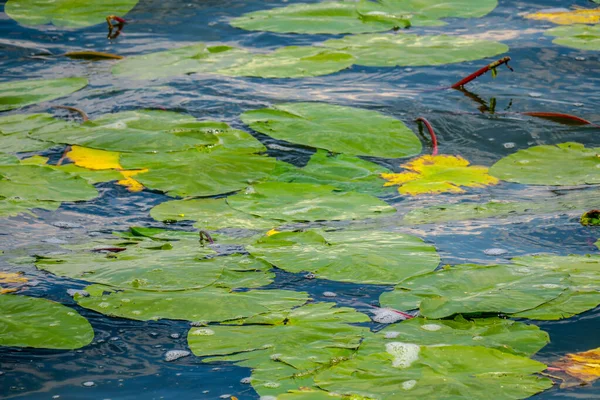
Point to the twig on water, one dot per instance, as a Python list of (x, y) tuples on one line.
[(205, 236), (120, 23), (490, 67), (84, 116), (434, 142)]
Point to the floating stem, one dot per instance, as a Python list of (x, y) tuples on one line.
[(434, 142), (84, 116), (490, 67)]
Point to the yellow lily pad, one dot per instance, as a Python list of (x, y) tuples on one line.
[(582, 16), (439, 174), (577, 368)]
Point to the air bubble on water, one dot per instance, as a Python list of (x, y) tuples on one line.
[(89, 384), (578, 104), (535, 94), (56, 396), (392, 335), (175, 335), (409, 384), (404, 353), (509, 145), (431, 327), (246, 380), (495, 252), (386, 316), (203, 332), (271, 385), (580, 58), (173, 355), (310, 275), (225, 396), (329, 294)]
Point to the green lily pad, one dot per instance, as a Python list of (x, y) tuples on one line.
[(564, 164), (349, 256), (31, 182), (197, 58), (500, 334), (579, 200), (346, 173), (92, 176), (583, 293), (197, 173), (208, 305), (269, 344), (338, 129), (337, 17), (306, 202), (66, 13), (466, 289), (384, 50), (8, 159), (135, 131), (583, 37), (211, 214), (395, 370), (40, 323), (14, 132), (13, 207), (17, 94), (293, 62)]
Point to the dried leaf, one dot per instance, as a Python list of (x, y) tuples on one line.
[(584, 367), (14, 279), (583, 16), (439, 174)]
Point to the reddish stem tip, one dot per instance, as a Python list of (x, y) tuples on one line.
[(434, 142)]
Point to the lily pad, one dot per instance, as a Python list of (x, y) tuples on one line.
[(269, 344), (17, 94), (569, 17), (306, 202), (467, 289), (339, 129), (40, 323), (349, 256), (209, 214), (208, 305), (346, 173), (65, 13), (439, 174), (583, 37), (14, 132), (292, 62), (564, 164), (197, 58), (500, 334), (135, 131), (31, 182), (13, 207), (384, 50)]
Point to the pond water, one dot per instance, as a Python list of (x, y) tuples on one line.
[(125, 358)]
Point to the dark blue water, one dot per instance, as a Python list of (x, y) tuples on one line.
[(125, 359)]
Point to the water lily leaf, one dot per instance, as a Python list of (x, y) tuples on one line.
[(439, 174), (11, 281), (135, 131), (337, 17), (580, 16), (563, 164), (384, 50), (209, 305), (92, 55), (65, 13), (197, 58), (209, 214), (40, 323), (387, 370), (31, 182), (293, 62), (339, 129), (584, 367), (349, 256), (196, 173), (269, 344), (306, 202), (501, 334), (598, 244), (14, 132), (583, 37), (13, 207), (579, 200), (17, 94), (465, 289), (8, 159), (346, 173), (583, 293)]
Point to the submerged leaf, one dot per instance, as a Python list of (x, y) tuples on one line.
[(348, 130), (32, 322), (583, 366), (583, 37), (439, 174), (17, 94), (579, 16), (563, 164), (349, 256)]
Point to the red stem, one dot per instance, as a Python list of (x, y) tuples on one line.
[(558, 116), (481, 71), (434, 142)]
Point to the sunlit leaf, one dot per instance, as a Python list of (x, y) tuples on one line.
[(384, 50), (11, 281), (583, 366), (66, 13), (40, 323), (348, 130), (13, 207), (14, 132), (439, 174), (306, 202), (583, 37), (466, 289), (579, 16), (349, 256), (562, 164), (16, 94)]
